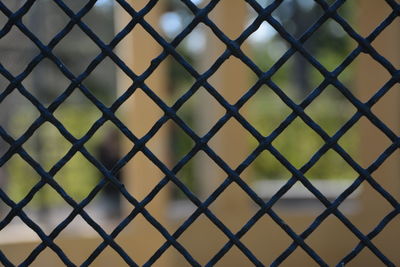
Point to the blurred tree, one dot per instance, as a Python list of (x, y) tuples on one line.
[(46, 82), (297, 77)]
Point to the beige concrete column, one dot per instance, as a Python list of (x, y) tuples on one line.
[(231, 80), (231, 143), (370, 77), (140, 113)]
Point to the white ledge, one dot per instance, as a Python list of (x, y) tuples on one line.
[(331, 189)]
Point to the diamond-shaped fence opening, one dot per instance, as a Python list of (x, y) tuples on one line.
[(40, 28), (70, 110), (25, 178), (101, 27), (197, 42), (22, 117), (194, 132), (46, 82), (331, 110), (254, 46), (22, 50), (84, 53), (101, 81), (201, 123)]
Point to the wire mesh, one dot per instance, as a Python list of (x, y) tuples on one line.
[(233, 48)]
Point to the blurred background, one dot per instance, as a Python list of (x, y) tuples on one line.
[(266, 111), (297, 78)]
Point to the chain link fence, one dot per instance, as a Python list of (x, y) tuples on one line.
[(200, 15)]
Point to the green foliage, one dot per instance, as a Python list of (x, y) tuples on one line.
[(298, 142), (47, 146)]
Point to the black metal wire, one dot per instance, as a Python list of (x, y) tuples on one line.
[(233, 48)]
